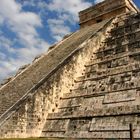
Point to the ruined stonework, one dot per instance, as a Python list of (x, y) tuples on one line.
[(105, 10), (86, 86)]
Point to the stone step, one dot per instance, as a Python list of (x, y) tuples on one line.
[(110, 72), (117, 97), (110, 58), (128, 24), (116, 50), (89, 94), (124, 32), (97, 125), (125, 45), (112, 111), (123, 39), (116, 32), (123, 51), (91, 135), (56, 126), (70, 103), (120, 123)]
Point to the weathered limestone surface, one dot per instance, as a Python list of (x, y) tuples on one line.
[(93, 93), (27, 118), (28, 80), (105, 99), (105, 10)]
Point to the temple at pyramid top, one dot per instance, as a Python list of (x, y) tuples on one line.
[(105, 10)]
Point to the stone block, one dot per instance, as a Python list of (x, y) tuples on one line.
[(79, 124), (56, 126), (72, 102), (117, 97)]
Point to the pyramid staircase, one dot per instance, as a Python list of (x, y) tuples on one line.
[(105, 99), (25, 99), (15, 92)]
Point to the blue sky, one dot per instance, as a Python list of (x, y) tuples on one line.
[(29, 27)]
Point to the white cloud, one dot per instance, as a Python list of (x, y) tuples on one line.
[(20, 22), (71, 7), (98, 1), (66, 12), (24, 25), (58, 28), (2, 56)]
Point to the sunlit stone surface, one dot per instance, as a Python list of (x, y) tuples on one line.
[(86, 86)]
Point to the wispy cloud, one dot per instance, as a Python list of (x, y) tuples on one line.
[(24, 25), (98, 1), (70, 7), (65, 14), (58, 28)]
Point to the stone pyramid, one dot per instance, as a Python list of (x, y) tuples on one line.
[(86, 86)]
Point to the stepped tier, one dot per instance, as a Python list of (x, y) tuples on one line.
[(105, 99)]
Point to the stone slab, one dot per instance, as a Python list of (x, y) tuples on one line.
[(56, 126), (117, 97)]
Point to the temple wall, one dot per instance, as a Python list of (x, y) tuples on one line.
[(105, 10), (105, 100)]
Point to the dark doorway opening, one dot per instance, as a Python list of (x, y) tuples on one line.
[(99, 20)]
